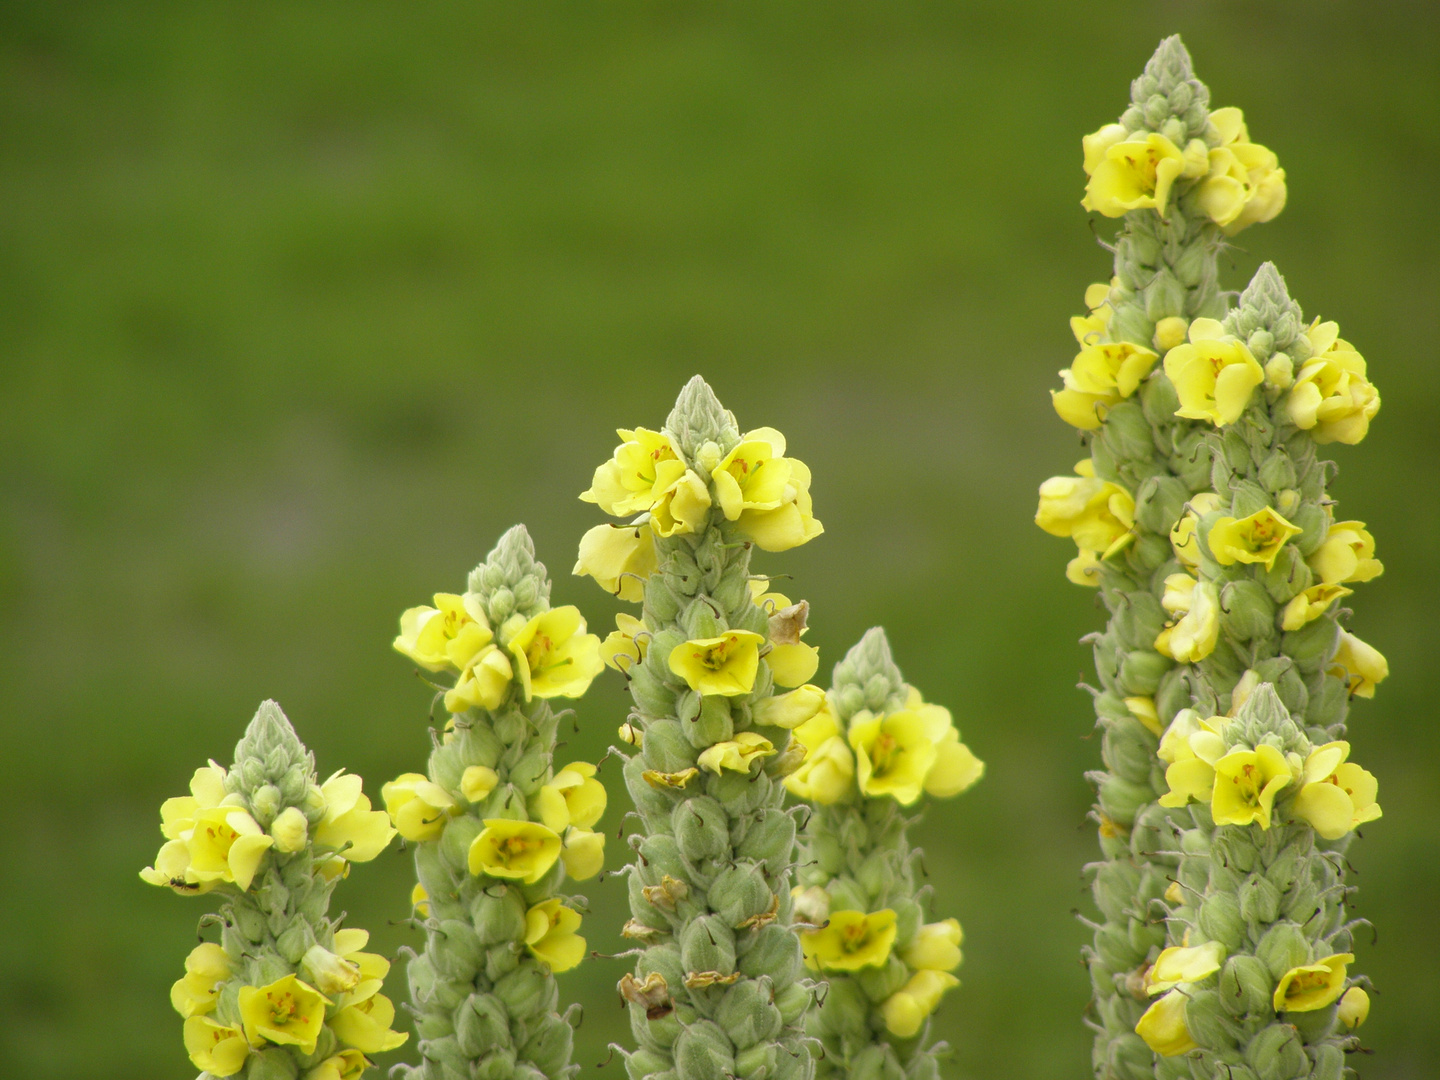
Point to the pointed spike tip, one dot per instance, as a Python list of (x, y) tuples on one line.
[(698, 417), (1171, 62)]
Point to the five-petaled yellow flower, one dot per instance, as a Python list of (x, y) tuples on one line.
[(346, 1065), (1097, 514), (572, 797), (1130, 173), (521, 851), (893, 753), (619, 558), (550, 935), (363, 1020), (1214, 375), (828, 772), (1246, 783), (1179, 964), (1331, 397), (287, 1012), (723, 665), (417, 806), (645, 465), (446, 635), (207, 966), (1336, 795), (1312, 986), (1195, 633), (555, 656), (218, 1049), (1183, 538), (1100, 376), (852, 940), (1257, 538), (736, 754), (1348, 554), (1244, 184), (350, 826)]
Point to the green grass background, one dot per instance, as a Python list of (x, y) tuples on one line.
[(302, 304)]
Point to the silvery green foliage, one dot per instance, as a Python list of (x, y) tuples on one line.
[(1275, 898), (719, 989), (267, 930), (1164, 268), (484, 1008), (857, 850), (1263, 460)]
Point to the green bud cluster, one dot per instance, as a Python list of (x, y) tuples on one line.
[(275, 930), (856, 856), (1274, 900), (719, 990), (482, 990)]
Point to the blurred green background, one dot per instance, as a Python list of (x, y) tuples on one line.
[(303, 304)]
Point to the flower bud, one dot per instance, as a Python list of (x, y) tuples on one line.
[(1247, 612), (549, 1047), (756, 1062), (740, 893), (702, 1052), (1283, 947), (770, 840), (1245, 986), (454, 847), (701, 830), (481, 1024), (1277, 1053), (666, 747), (1121, 799), (712, 725), (774, 952), (290, 830), (747, 1015), (1141, 670), (707, 944), (526, 991), (1220, 919)]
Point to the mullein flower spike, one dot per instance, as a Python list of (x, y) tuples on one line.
[(875, 747), (719, 676), (286, 992), (1201, 516), (498, 823)]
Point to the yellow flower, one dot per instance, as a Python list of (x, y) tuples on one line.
[(483, 682), (1246, 783), (1254, 539), (1245, 184), (1089, 328), (207, 966), (1084, 569), (644, 465), (1309, 605), (1177, 965), (573, 797), (346, 967), (906, 1009), (1337, 795), (893, 754), (1097, 514), (226, 844), (290, 830), (207, 790), (288, 1012), (955, 768), (346, 1065), (1100, 376), (417, 806), (1195, 634), (619, 558), (514, 850), (1135, 174), (1214, 375), (1171, 331), (1182, 537), (682, 507), (790, 710), (1331, 398), (852, 940), (1163, 1026), (627, 644), (1142, 707), (364, 1018), (736, 754), (446, 635), (1360, 665), (583, 853), (724, 665), (1348, 554), (1354, 1008), (477, 781), (826, 774), (793, 664), (554, 654), (1312, 986), (550, 935), (935, 947), (420, 901), (214, 1048), (752, 476), (790, 524), (1191, 747), (1095, 146), (349, 826)]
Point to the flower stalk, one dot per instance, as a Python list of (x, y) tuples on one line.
[(497, 825), (719, 677), (873, 751), (286, 992), (1201, 516)]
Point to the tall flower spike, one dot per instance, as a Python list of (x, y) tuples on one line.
[(874, 748), (1201, 516), (719, 989), (1259, 945), (286, 991), (498, 823)]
